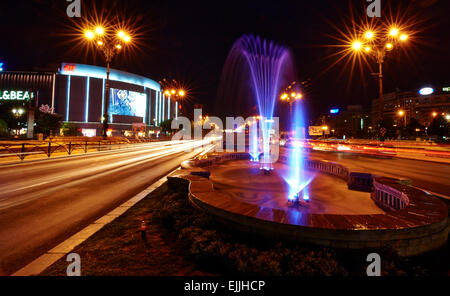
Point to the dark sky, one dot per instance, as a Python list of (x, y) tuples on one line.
[(190, 40)]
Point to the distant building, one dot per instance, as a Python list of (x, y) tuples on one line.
[(354, 122), (76, 92), (423, 107)]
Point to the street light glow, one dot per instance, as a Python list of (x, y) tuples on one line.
[(401, 112), (369, 35), (181, 93), (357, 45), (89, 35), (389, 46), (100, 43), (118, 46), (403, 37), (99, 31), (121, 34), (393, 32), (367, 49)]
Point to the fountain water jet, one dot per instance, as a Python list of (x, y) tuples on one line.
[(257, 68)]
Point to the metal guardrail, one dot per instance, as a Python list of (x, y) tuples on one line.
[(23, 150), (388, 197)]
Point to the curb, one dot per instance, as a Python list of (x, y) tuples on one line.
[(44, 261)]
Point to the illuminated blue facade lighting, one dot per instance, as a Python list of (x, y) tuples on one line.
[(176, 110), (168, 107), (160, 108), (86, 119), (68, 98), (1, 67), (150, 109), (145, 115), (103, 98), (156, 108), (163, 104)]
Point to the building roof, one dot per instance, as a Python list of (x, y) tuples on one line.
[(100, 72)]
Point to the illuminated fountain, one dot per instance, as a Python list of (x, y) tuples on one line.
[(258, 69), (296, 178), (306, 200)]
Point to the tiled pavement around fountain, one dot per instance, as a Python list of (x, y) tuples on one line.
[(423, 209)]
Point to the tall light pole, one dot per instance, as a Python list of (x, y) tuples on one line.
[(377, 43), (109, 44), (290, 95), (173, 90), (402, 115), (17, 113)]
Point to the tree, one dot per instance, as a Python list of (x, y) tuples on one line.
[(166, 126), (411, 128), (46, 121), (439, 127), (3, 128), (70, 129)]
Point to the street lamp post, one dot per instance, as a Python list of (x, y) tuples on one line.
[(17, 113), (377, 45), (402, 115), (173, 90), (290, 96), (109, 45)]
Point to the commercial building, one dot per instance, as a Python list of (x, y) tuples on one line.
[(76, 91), (423, 104), (351, 122)]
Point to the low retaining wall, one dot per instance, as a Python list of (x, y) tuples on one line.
[(414, 222)]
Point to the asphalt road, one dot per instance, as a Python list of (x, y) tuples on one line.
[(431, 176), (43, 203)]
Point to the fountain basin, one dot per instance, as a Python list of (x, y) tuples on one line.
[(422, 225)]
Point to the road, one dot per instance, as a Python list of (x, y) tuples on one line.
[(431, 176), (43, 203)]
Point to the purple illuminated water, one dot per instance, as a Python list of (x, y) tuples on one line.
[(254, 73)]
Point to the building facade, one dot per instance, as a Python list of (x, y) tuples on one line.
[(76, 92), (422, 105)]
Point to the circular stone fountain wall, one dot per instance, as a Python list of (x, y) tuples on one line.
[(240, 196)]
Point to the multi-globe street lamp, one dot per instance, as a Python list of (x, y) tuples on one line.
[(290, 95), (376, 43), (109, 43), (173, 90), (17, 113)]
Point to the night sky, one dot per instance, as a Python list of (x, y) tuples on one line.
[(189, 41)]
